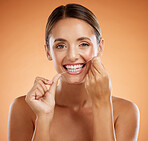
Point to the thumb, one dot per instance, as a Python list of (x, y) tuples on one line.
[(52, 88)]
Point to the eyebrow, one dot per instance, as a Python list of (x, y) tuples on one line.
[(83, 38), (59, 39), (79, 39)]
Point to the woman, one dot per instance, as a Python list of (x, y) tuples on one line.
[(81, 107)]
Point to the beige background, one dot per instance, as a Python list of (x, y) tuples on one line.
[(22, 56)]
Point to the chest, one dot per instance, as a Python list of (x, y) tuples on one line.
[(71, 127)]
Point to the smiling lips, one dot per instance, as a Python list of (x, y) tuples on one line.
[(74, 68)]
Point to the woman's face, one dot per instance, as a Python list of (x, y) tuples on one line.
[(72, 43)]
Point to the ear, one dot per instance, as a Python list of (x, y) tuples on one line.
[(48, 53), (100, 47)]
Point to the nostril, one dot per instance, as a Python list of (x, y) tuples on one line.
[(72, 55)]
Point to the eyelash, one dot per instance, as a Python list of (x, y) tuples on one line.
[(60, 46), (84, 44)]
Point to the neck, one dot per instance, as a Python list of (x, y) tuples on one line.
[(73, 96)]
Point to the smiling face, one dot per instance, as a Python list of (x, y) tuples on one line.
[(72, 43)]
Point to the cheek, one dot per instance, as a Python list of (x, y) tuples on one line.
[(88, 54), (57, 58)]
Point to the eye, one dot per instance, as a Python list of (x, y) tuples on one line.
[(84, 44), (60, 46)]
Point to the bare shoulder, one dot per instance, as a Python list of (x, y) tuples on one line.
[(21, 120), (123, 106), (19, 102), (20, 107), (127, 121)]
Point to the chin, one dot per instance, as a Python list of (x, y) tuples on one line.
[(74, 80)]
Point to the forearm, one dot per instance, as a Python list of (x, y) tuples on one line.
[(103, 121), (42, 129)]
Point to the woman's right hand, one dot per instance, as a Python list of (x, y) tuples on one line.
[(40, 98)]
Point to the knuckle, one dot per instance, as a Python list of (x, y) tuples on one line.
[(38, 85), (37, 79), (92, 81), (97, 78), (45, 89), (40, 81), (28, 96), (86, 84), (37, 91)]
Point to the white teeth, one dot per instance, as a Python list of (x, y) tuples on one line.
[(73, 68)]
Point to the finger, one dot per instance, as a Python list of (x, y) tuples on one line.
[(52, 88), (86, 81), (90, 75), (94, 71), (40, 88), (43, 85), (38, 94), (45, 81), (97, 74), (92, 78), (98, 65), (102, 65)]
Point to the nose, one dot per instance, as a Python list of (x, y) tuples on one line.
[(72, 54)]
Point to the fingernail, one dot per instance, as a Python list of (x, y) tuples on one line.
[(59, 75), (49, 82)]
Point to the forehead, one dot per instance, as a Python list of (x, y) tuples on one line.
[(72, 27)]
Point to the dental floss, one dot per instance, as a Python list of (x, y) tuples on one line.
[(63, 72), (89, 60)]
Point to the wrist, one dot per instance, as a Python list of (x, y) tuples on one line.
[(43, 120), (42, 128), (104, 102), (45, 116)]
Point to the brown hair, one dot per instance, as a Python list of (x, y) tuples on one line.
[(72, 11)]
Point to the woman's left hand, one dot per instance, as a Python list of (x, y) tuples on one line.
[(98, 83)]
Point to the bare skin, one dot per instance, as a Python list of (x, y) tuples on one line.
[(82, 106), (69, 124)]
